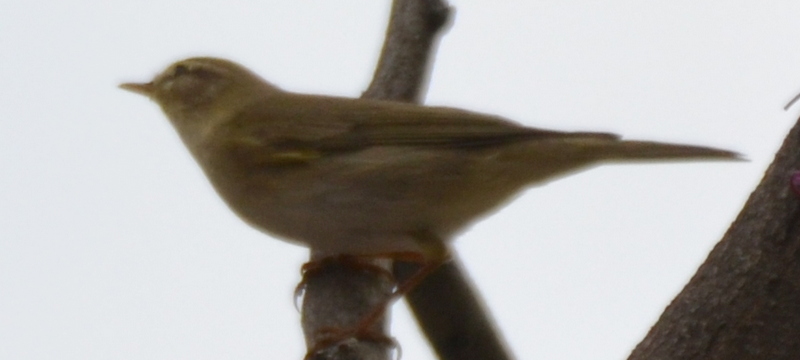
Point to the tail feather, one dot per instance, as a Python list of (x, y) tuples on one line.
[(550, 159), (650, 151)]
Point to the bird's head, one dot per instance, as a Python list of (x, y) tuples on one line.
[(202, 86)]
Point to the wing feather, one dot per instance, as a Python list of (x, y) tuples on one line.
[(331, 124)]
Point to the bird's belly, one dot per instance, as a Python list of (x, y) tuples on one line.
[(369, 203), (345, 217)]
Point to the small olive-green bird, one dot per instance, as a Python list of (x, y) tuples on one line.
[(367, 177)]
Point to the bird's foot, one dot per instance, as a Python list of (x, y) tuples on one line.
[(361, 263)]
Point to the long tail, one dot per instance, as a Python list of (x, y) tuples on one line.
[(559, 156), (622, 150)]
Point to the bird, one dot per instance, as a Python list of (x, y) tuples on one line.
[(364, 177), (367, 177)]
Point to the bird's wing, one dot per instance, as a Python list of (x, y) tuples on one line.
[(326, 125), (362, 123)]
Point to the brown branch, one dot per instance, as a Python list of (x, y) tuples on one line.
[(338, 296), (413, 32), (744, 301), (452, 315)]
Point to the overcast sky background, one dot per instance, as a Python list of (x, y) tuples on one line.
[(114, 246)]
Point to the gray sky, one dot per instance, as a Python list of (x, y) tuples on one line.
[(114, 246)]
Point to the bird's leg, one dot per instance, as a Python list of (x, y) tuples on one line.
[(361, 263), (400, 290)]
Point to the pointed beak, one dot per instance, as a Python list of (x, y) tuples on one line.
[(145, 89)]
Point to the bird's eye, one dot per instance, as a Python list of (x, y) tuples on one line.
[(180, 70)]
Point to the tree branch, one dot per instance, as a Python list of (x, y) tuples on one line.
[(452, 315), (414, 29)]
